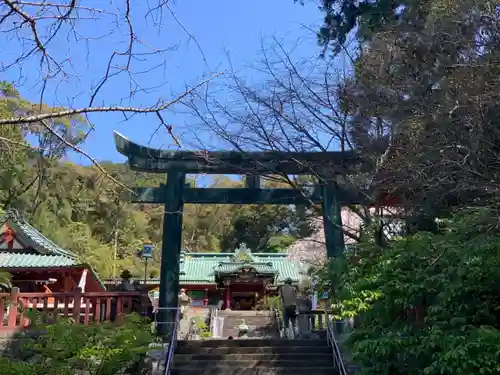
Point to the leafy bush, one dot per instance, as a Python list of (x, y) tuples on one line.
[(274, 302), (65, 348), (429, 303), (202, 327), (9, 367)]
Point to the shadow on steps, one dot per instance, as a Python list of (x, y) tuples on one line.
[(253, 357)]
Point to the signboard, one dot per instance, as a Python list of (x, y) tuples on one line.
[(325, 295), (147, 251)]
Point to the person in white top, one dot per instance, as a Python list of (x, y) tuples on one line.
[(184, 302)]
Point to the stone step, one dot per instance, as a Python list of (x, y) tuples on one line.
[(255, 357), (236, 317), (265, 349), (250, 343), (248, 319), (250, 326), (248, 322), (289, 363), (329, 370), (253, 331), (250, 334), (245, 313), (264, 317)]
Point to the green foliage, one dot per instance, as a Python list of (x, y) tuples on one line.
[(274, 302), (5, 280), (366, 16), (264, 228), (202, 328), (411, 87), (279, 243), (427, 303), (9, 367), (66, 348)]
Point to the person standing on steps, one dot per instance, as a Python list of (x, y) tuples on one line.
[(184, 302), (288, 295)]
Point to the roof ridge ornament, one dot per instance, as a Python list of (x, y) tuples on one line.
[(243, 254), (12, 213)]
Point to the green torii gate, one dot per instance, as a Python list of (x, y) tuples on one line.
[(175, 193)]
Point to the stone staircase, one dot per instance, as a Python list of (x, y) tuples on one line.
[(253, 357), (260, 323)]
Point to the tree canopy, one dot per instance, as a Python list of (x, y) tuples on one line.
[(425, 81)]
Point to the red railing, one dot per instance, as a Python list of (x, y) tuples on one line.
[(81, 307)]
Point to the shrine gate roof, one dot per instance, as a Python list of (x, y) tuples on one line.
[(201, 268)]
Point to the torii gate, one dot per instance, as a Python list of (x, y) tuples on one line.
[(173, 194)]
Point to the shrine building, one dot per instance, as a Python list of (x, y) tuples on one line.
[(36, 264), (241, 280)]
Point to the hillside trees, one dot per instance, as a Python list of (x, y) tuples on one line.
[(85, 212)]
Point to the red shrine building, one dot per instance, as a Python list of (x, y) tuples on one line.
[(37, 264)]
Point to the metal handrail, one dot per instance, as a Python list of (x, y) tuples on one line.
[(338, 362), (173, 342)]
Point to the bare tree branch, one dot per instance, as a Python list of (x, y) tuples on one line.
[(71, 112)]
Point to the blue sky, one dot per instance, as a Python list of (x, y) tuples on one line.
[(219, 26)]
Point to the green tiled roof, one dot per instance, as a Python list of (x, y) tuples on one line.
[(234, 267), (32, 237), (200, 268), (16, 260)]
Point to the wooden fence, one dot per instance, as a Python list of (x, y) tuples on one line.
[(83, 308)]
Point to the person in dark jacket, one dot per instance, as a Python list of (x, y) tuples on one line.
[(288, 295)]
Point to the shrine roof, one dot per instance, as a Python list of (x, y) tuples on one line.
[(16, 260), (201, 268), (31, 237), (32, 249)]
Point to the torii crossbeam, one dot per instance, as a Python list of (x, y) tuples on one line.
[(173, 194)]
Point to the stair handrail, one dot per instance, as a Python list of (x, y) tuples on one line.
[(338, 361), (173, 343)]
